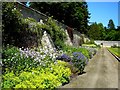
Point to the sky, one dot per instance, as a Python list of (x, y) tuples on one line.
[(102, 12)]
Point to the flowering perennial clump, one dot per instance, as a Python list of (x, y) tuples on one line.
[(43, 56), (79, 61)]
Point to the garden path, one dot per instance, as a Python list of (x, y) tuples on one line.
[(101, 72)]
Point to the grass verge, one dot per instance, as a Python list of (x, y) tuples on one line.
[(115, 51)]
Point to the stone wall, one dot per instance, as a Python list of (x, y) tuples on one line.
[(29, 12), (85, 38), (108, 43), (73, 38), (77, 39), (38, 16), (68, 40)]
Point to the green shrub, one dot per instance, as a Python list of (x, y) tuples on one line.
[(11, 20), (16, 30), (90, 42)]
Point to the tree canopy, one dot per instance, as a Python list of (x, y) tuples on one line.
[(99, 32), (111, 25), (96, 31), (73, 14)]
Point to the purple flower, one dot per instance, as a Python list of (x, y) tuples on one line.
[(78, 56), (64, 57), (79, 61)]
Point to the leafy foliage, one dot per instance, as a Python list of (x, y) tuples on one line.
[(56, 32), (27, 32), (24, 68), (11, 22), (14, 61), (16, 30), (111, 25), (47, 78), (98, 32), (73, 14), (69, 50)]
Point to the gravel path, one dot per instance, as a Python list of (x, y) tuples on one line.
[(101, 72)]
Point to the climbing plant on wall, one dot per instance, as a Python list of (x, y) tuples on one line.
[(16, 30), (28, 32), (56, 32)]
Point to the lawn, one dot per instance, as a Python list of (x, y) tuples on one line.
[(115, 51)]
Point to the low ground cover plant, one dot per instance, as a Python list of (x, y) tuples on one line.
[(48, 78)]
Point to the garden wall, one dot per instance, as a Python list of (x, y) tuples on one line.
[(77, 40), (108, 43), (73, 37)]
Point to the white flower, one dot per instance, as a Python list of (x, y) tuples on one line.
[(55, 62), (43, 56), (43, 64), (54, 57), (51, 68), (14, 8), (32, 72), (39, 60), (45, 47), (51, 55), (40, 63)]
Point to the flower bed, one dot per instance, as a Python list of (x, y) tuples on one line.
[(31, 69), (39, 68)]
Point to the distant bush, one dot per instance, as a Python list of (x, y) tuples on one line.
[(114, 46), (90, 42)]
